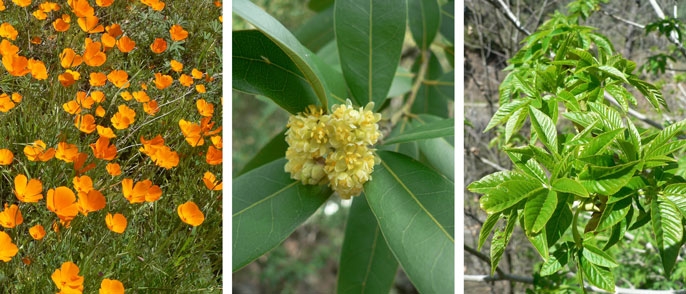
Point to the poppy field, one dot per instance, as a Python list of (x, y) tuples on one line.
[(110, 146)]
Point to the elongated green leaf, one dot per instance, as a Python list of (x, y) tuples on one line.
[(490, 182), (613, 214), (486, 228), (431, 98), (540, 243), (668, 231), (267, 207), (560, 221), (410, 148), (613, 72), (599, 143), (260, 67), (448, 21), (538, 210), (598, 257), (597, 275), (367, 264), (276, 32), (317, 31), (414, 208), (370, 37), (663, 138), (569, 186), (676, 194), (501, 238), (509, 194), (515, 122), (607, 180), (275, 149), (545, 128), (435, 129), (424, 17), (505, 111), (439, 152), (557, 260)]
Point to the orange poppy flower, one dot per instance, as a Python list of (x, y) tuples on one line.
[(66, 152), (104, 3), (98, 96), (85, 123), (204, 108), (176, 66), (16, 97), (113, 169), (206, 126), (163, 81), (16, 65), (190, 214), (217, 3), (151, 107), (144, 86), (89, 24), (125, 44), (114, 30), (11, 217), (62, 201), (150, 147), (7, 248), (6, 157), (217, 141), (27, 191), (141, 191), (81, 8), (100, 112), (105, 132), (36, 40), (186, 80), (97, 79), (66, 79), (36, 151), (158, 46), (91, 201), (126, 96), (108, 286), (2, 6), (119, 78), (6, 103), (6, 48), (196, 74), (37, 69), (141, 96), (214, 156), (103, 150), (8, 31), (200, 88), (166, 158), (211, 182), (178, 33), (62, 24), (116, 223), (93, 56), (72, 107), (108, 41), (67, 278), (156, 5), (37, 232), (82, 184), (69, 58), (123, 118), (39, 14), (22, 3), (79, 161), (192, 132)]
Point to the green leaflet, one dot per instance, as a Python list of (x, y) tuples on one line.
[(416, 219), (370, 36), (545, 128), (424, 17), (538, 210), (597, 275), (597, 256), (487, 227), (267, 207), (500, 240), (668, 231), (505, 111), (367, 264), (569, 186), (490, 182), (508, 194)]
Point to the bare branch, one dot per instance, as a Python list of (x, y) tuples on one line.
[(510, 16), (674, 37)]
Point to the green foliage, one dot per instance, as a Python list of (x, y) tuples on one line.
[(352, 50), (594, 177)]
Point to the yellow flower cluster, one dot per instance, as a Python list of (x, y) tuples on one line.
[(333, 148)]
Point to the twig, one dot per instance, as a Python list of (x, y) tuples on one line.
[(626, 21), (673, 36), (510, 16)]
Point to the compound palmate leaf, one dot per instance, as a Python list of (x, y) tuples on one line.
[(267, 207), (283, 38), (367, 264), (370, 37), (414, 208)]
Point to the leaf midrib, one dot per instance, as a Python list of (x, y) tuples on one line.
[(417, 200), (265, 198)]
